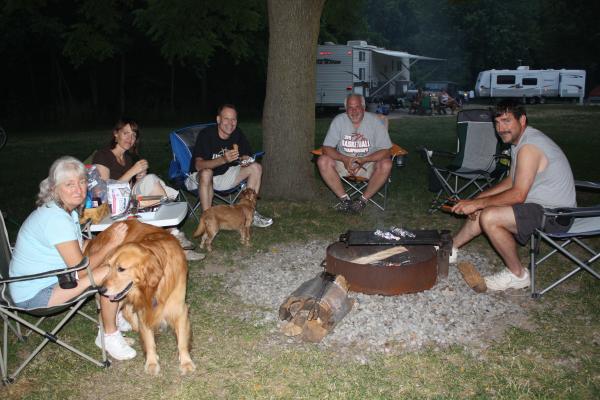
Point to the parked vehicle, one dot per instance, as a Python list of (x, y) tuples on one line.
[(531, 85), (358, 67)]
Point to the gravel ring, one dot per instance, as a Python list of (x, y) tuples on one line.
[(448, 314)]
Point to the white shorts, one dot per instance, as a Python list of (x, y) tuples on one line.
[(146, 185), (225, 181), (365, 173)]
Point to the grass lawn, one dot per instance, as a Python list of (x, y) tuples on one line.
[(557, 357)]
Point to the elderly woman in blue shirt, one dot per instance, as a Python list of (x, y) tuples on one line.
[(50, 238)]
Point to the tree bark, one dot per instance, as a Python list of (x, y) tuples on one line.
[(289, 109)]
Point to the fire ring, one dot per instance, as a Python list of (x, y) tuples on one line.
[(412, 271)]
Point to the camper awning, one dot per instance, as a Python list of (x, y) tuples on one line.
[(402, 54)]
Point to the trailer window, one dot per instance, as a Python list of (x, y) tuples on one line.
[(361, 56), (505, 79), (529, 81), (361, 74)]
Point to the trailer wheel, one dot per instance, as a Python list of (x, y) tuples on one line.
[(542, 100), (532, 100)]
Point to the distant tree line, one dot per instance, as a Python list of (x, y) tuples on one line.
[(86, 61)]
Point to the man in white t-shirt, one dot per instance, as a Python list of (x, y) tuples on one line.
[(357, 144)]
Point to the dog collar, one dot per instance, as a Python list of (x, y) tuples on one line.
[(119, 296)]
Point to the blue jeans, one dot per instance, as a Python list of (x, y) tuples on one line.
[(40, 299)]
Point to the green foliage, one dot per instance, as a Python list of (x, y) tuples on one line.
[(188, 32), (99, 32)]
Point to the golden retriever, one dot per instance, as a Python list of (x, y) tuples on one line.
[(236, 217), (148, 275)]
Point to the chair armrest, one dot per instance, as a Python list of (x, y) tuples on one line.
[(576, 212), (317, 152), (82, 265), (427, 154), (396, 151), (587, 185)]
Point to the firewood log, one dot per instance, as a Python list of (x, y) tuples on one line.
[(380, 255)]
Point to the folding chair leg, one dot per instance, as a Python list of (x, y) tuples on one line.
[(561, 249), (51, 337)]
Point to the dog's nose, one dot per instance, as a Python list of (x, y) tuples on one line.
[(101, 290)]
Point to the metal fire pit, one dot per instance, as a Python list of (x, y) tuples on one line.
[(413, 271)]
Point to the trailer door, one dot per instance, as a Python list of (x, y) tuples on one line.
[(334, 75)]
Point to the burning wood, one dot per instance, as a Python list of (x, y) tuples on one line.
[(316, 307)]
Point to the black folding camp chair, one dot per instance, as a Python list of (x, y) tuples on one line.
[(183, 141), (17, 321), (480, 161), (585, 226)]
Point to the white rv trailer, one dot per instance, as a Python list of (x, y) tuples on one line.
[(358, 67), (532, 85)]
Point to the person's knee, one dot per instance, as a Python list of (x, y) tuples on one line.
[(205, 177), (325, 162), (255, 169), (384, 165), (489, 218)]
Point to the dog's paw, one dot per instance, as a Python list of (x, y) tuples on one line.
[(187, 367), (152, 368)]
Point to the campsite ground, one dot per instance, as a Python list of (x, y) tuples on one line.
[(554, 355)]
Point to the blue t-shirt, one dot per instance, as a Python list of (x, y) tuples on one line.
[(35, 251)]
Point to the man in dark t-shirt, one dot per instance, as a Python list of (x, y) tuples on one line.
[(222, 159)]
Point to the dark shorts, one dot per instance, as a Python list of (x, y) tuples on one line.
[(40, 299), (529, 218)]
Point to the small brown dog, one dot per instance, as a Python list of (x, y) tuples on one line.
[(237, 217)]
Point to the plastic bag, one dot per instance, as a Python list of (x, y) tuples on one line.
[(96, 186), (119, 195)]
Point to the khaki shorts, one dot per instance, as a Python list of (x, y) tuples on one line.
[(225, 181), (364, 173)]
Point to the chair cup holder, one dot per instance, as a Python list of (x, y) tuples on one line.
[(400, 161)]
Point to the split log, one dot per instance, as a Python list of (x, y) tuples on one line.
[(472, 276), (315, 307), (380, 255)]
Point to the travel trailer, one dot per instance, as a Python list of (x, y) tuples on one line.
[(358, 67), (531, 85)]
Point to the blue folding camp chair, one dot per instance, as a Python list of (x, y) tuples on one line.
[(183, 141)]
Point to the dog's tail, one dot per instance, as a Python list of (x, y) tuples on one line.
[(201, 228)]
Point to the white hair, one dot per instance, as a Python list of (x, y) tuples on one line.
[(60, 170), (360, 96)]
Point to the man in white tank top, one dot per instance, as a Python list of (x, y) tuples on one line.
[(509, 212)]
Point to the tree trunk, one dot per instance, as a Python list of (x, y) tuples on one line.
[(289, 109)]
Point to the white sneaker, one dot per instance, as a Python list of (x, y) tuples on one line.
[(261, 221), (507, 280), (453, 259), (185, 243), (192, 255), (122, 324), (116, 346)]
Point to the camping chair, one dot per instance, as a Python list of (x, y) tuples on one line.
[(356, 185), (182, 145), (13, 321), (480, 161), (586, 225)]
